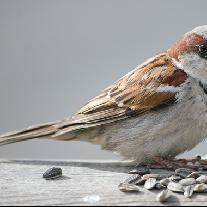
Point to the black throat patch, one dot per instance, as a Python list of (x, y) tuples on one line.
[(204, 87)]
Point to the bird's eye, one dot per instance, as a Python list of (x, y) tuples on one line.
[(202, 49)]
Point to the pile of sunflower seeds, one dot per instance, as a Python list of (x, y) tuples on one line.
[(183, 180)]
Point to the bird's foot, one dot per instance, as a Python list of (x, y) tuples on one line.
[(168, 164), (175, 163)]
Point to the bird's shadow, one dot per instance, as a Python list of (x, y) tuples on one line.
[(109, 166)]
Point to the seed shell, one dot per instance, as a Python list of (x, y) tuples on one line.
[(175, 178), (202, 179), (194, 175), (159, 186), (175, 187), (125, 187), (165, 181), (200, 188), (188, 181), (188, 191), (150, 183), (183, 172), (163, 196), (133, 179)]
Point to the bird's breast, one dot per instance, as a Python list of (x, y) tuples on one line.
[(168, 131)]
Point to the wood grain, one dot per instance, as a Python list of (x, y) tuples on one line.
[(21, 183)]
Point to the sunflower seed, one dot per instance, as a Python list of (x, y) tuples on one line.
[(141, 181), (200, 188), (52, 173), (188, 191), (202, 179), (175, 187), (155, 176), (175, 178), (203, 160), (183, 172), (141, 170), (165, 182), (133, 179), (159, 186), (150, 183), (163, 196), (188, 181), (194, 175), (125, 187)]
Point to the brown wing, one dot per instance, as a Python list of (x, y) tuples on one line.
[(147, 87)]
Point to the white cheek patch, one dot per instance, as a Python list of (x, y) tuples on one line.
[(177, 64), (194, 65)]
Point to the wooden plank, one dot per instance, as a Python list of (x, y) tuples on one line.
[(21, 183)]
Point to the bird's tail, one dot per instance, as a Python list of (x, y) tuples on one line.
[(29, 133)]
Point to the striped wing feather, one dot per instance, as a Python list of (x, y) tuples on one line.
[(135, 92)]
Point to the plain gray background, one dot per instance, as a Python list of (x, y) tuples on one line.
[(56, 55)]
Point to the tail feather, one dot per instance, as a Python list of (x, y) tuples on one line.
[(29, 133)]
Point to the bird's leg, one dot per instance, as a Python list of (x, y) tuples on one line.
[(174, 163)]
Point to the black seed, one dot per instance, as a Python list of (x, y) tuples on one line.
[(175, 178), (165, 182), (141, 181), (183, 172), (52, 173), (159, 186), (141, 170)]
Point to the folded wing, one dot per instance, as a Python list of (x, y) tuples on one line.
[(148, 86)]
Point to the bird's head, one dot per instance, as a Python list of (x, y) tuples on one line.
[(190, 53)]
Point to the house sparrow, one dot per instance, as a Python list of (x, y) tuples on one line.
[(158, 110)]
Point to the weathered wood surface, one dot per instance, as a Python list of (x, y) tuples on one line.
[(21, 183)]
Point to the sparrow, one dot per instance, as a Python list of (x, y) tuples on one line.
[(158, 110)]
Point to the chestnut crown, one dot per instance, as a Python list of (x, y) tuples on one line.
[(189, 53)]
